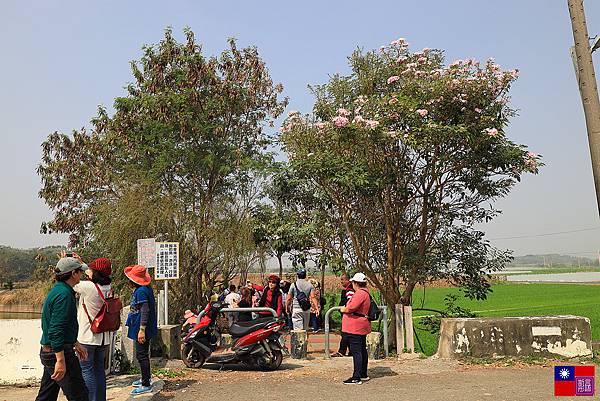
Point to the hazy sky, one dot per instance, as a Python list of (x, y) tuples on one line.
[(61, 59)]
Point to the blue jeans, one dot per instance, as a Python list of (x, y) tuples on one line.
[(93, 372), (314, 321)]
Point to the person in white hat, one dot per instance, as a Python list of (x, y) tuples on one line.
[(356, 325)]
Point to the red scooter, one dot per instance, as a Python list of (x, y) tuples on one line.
[(256, 343)]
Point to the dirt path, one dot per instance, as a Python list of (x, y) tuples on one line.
[(426, 380)]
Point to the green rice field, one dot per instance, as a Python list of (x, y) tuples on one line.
[(514, 300)]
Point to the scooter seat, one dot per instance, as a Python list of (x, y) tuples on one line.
[(242, 328)]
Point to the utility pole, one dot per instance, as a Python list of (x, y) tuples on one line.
[(586, 78)]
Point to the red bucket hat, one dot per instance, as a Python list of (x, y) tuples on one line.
[(101, 265), (274, 278), (138, 274)]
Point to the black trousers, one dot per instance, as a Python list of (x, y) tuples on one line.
[(358, 347), (142, 354), (72, 384), (343, 344)]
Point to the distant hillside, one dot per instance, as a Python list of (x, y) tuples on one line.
[(553, 260), (19, 264)]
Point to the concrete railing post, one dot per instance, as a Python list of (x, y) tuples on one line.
[(298, 344), (160, 309), (226, 341), (408, 324), (374, 342), (399, 329), (386, 342), (169, 340)]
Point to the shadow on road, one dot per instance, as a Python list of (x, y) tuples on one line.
[(120, 380), (381, 371), (171, 387), (239, 367)]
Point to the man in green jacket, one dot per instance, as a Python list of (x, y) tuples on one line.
[(59, 337)]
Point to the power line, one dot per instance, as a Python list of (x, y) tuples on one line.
[(547, 234)]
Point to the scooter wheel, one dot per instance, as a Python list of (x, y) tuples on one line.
[(192, 358), (275, 361)]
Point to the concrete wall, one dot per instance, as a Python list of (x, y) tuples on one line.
[(19, 351), (552, 336)]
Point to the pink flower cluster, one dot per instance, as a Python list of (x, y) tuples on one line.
[(422, 112), (392, 79), (531, 161), (358, 119), (372, 124), (399, 42), (343, 112), (340, 121), (320, 125), (491, 131), (293, 118)]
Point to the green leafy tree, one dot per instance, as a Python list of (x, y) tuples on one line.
[(179, 149), (280, 231), (412, 154), (318, 219)]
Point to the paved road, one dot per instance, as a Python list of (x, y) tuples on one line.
[(118, 389), (413, 380)]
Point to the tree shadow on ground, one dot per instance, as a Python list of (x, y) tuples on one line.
[(171, 387), (381, 371), (239, 367), (120, 380)]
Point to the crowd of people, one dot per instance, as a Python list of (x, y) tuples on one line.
[(74, 344), (302, 304), (281, 296)]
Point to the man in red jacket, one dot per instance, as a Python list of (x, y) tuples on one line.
[(356, 326)]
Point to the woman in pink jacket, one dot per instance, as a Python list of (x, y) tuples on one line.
[(356, 325)]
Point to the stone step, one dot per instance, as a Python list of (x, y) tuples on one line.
[(316, 342)]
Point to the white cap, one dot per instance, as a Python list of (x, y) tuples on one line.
[(359, 278)]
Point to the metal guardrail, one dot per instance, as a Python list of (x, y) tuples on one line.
[(384, 317), (254, 309)]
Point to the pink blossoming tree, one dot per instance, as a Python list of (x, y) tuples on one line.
[(411, 154)]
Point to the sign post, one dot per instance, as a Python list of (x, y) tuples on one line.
[(167, 268)]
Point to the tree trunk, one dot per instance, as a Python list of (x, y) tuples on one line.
[(280, 266), (391, 297), (407, 295)]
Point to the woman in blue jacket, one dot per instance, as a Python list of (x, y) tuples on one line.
[(141, 322)]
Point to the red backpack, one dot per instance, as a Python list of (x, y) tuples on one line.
[(108, 317)]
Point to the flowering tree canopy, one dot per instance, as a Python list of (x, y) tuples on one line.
[(412, 153)]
